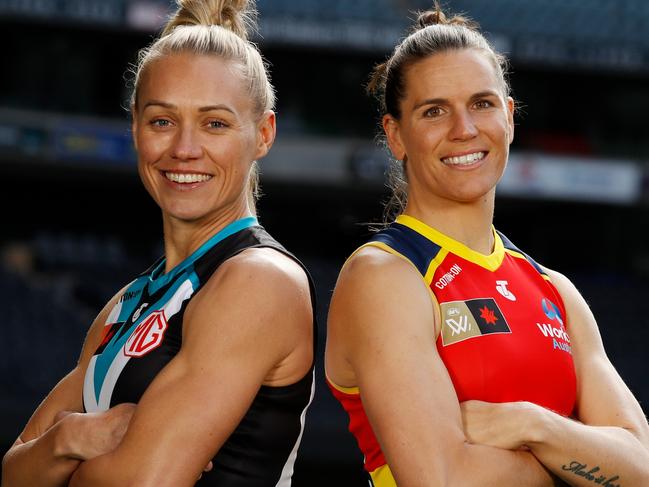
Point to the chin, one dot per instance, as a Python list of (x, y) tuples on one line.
[(184, 213)]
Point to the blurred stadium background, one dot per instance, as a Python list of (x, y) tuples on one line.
[(76, 225)]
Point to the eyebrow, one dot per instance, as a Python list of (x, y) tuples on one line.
[(444, 101), (171, 106)]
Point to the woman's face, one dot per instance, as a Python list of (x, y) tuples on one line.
[(196, 135), (455, 127)]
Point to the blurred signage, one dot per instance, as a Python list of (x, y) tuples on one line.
[(320, 160), (85, 11), (533, 175), (93, 144), (65, 139)]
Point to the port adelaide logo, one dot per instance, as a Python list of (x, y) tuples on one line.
[(472, 318)]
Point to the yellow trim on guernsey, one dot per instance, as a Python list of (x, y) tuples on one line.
[(490, 262), (434, 264), (344, 390), (382, 477)]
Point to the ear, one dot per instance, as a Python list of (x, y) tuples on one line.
[(266, 129), (511, 108), (393, 136), (134, 127)]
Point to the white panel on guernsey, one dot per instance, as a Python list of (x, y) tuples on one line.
[(287, 471), (171, 307)]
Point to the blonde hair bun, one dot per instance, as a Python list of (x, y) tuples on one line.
[(237, 16)]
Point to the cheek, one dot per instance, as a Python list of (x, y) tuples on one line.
[(150, 149)]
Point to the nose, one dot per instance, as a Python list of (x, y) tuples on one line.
[(463, 127), (186, 145)]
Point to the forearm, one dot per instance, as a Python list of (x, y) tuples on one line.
[(99, 472), (46, 461), (118, 470), (480, 465), (584, 455)]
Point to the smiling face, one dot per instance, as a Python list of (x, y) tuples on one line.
[(196, 135), (455, 127)]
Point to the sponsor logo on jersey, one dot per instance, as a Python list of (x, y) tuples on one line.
[(551, 310), (138, 312), (129, 295), (472, 318), (147, 335), (448, 276), (558, 334), (501, 287)]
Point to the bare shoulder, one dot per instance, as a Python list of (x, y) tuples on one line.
[(274, 275), (378, 269), (380, 300), (257, 300), (564, 285)]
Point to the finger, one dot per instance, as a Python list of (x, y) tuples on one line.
[(208, 467)]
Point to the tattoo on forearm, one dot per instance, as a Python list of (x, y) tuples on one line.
[(593, 474)]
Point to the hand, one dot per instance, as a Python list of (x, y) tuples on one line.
[(497, 424), (94, 434)]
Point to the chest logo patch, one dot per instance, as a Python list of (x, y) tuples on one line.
[(147, 335), (472, 318), (501, 287)]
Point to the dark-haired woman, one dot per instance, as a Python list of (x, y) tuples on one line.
[(206, 359), (459, 359)]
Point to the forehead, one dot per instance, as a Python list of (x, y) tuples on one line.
[(193, 80), (451, 74)]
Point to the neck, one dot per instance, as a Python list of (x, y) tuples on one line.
[(182, 238), (468, 223)]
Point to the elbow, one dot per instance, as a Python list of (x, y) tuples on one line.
[(453, 470), (7, 471)]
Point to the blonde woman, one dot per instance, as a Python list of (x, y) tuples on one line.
[(205, 360)]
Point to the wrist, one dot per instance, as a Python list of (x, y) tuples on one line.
[(537, 424), (67, 434)]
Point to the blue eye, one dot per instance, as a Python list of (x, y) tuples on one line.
[(216, 124), (160, 122)]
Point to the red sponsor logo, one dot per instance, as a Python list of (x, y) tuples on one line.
[(147, 335)]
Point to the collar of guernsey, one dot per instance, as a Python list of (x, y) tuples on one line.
[(491, 261), (158, 279)]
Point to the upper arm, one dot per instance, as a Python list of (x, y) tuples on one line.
[(381, 322), (251, 324), (67, 394), (603, 399)]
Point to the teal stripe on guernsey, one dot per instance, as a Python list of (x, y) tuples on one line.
[(106, 358), (158, 279)]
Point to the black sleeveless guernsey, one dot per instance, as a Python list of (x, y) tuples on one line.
[(144, 332)]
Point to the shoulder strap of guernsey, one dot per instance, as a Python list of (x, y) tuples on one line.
[(516, 252), (407, 242)]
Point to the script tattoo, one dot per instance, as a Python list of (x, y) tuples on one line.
[(594, 474)]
